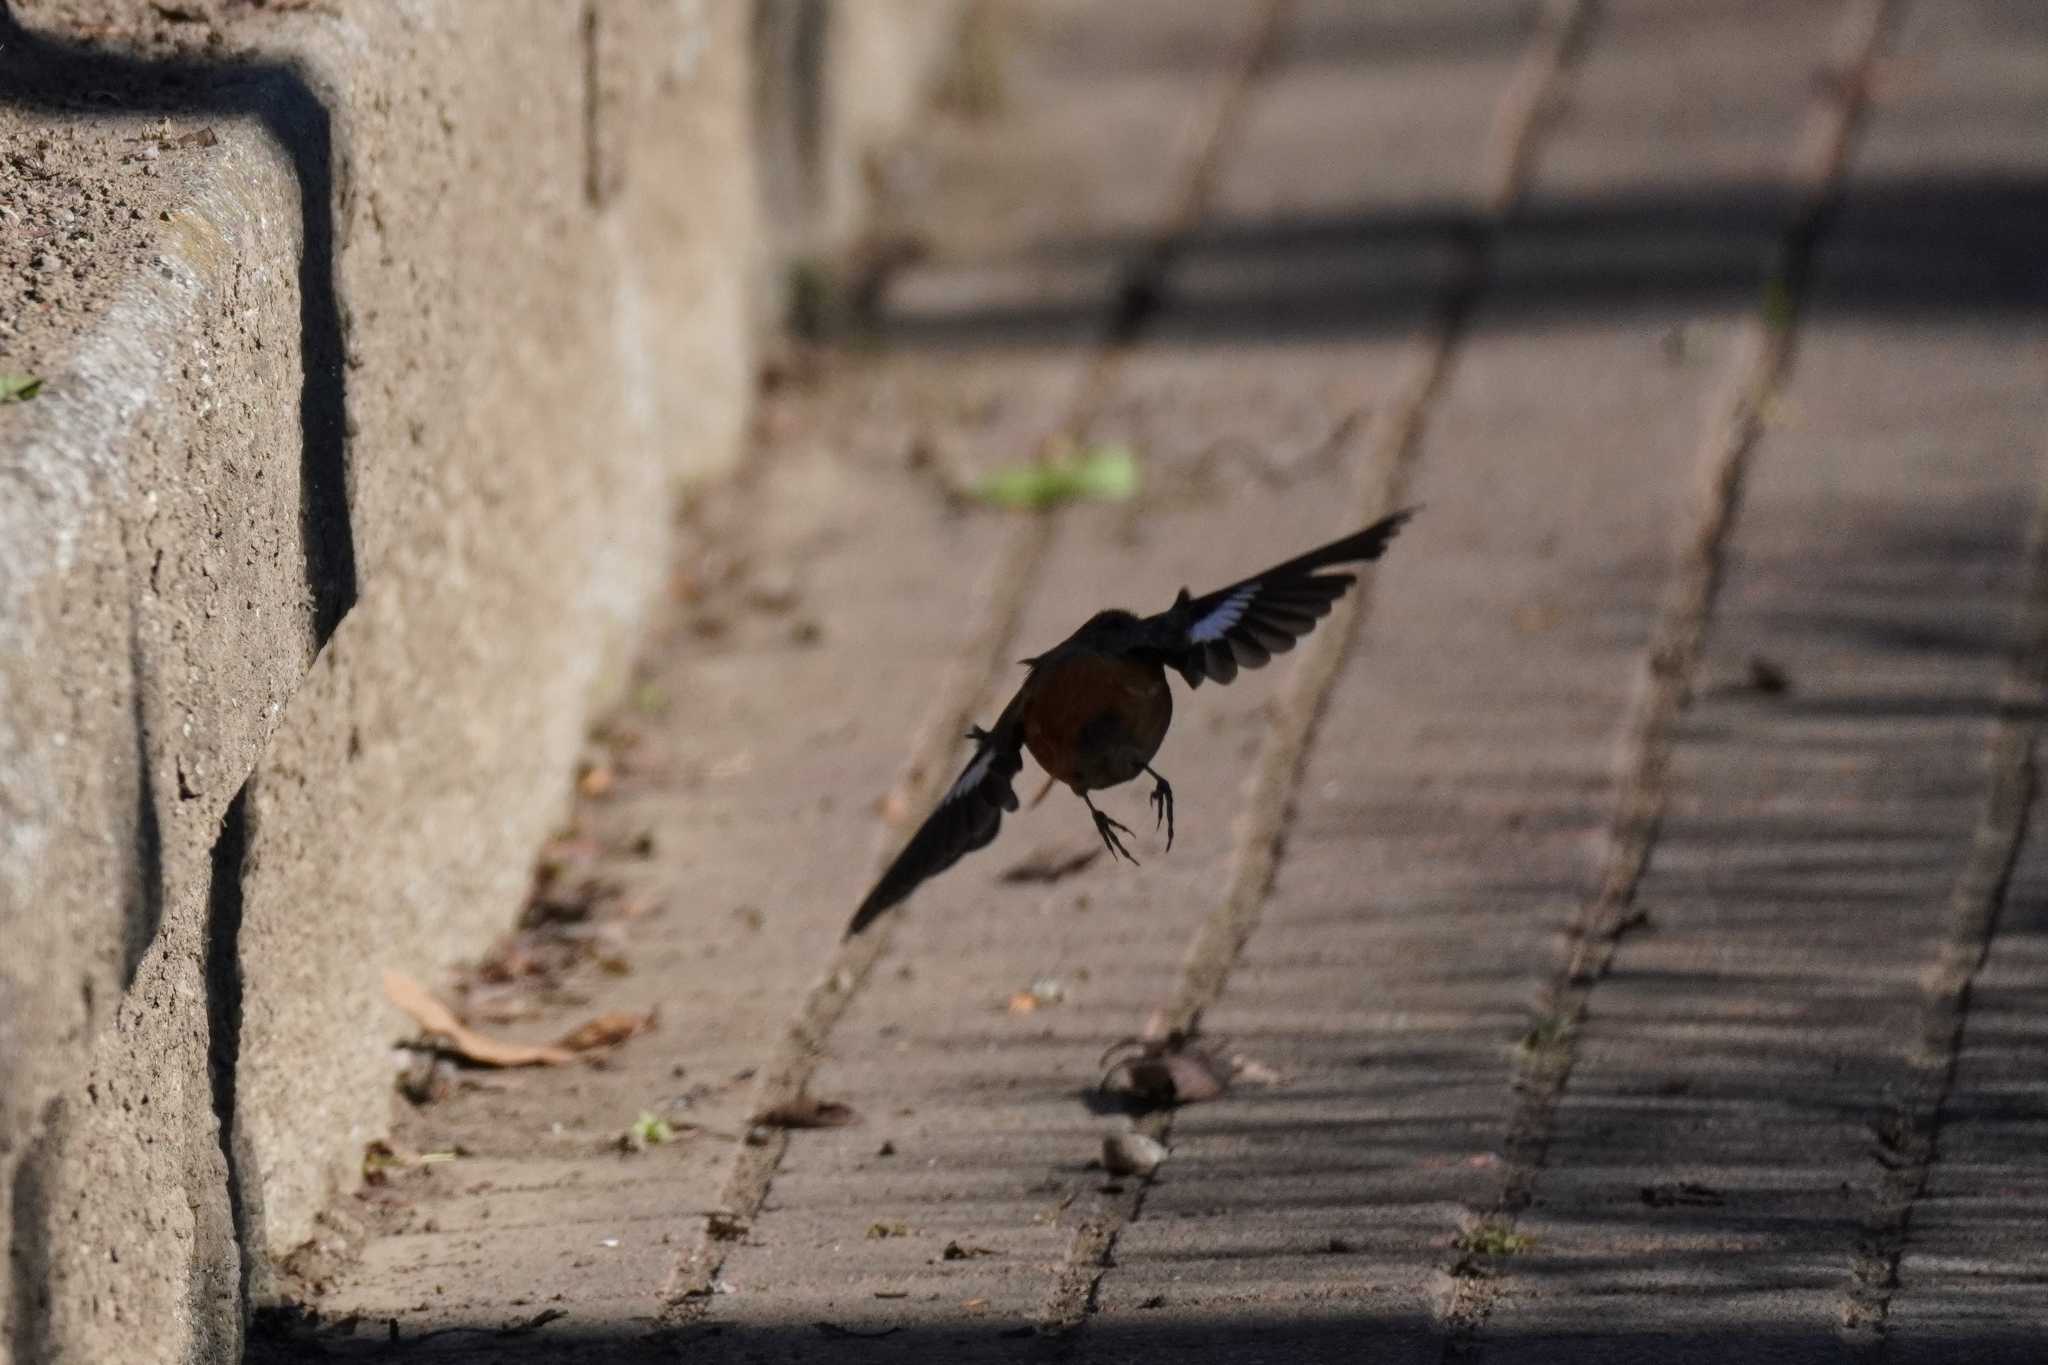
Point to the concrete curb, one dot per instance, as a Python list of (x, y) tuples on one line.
[(349, 484)]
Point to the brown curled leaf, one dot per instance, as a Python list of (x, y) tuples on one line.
[(1164, 1071), (607, 1030), (437, 1019), (805, 1112)]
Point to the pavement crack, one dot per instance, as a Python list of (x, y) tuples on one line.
[(596, 192), (1908, 1128), (1142, 291), (1763, 361)]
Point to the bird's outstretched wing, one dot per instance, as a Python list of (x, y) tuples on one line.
[(966, 818), (1247, 623)]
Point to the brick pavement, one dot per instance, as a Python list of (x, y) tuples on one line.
[(1609, 881)]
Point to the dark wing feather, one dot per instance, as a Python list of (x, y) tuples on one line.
[(1247, 623), (966, 818)]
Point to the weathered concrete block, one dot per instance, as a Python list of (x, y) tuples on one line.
[(376, 342)]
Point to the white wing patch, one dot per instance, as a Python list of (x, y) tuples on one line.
[(1218, 622), (971, 779)]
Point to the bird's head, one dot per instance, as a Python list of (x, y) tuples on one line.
[(1107, 629)]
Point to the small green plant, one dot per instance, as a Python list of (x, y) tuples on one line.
[(19, 388), (1098, 473), (650, 1131), (1492, 1237)]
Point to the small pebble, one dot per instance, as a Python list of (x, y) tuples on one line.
[(1132, 1154)]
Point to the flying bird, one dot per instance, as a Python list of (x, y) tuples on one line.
[(1094, 709)]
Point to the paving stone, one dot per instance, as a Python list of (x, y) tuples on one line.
[(1251, 453), (1451, 815), (1718, 1148), (1973, 1281)]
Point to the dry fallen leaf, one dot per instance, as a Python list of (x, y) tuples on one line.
[(606, 1030), (956, 1251), (1043, 991), (436, 1018), (1180, 1078), (1683, 1193), (380, 1158), (1768, 676), (1252, 1071), (805, 1112), (534, 1323), (1169, 1070), (728, 1227)]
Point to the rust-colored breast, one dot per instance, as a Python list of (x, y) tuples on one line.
[(1092, 716)]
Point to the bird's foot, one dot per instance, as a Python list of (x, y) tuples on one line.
[(1107, 828), (1162, 808)]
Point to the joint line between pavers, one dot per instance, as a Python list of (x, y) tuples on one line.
[(1142, 292), (1392, 449), (1763, 360), (1909, 1128), (595, 189), (972, 681)]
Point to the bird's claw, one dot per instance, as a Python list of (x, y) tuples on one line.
[(1107, 827), (1162, 807)]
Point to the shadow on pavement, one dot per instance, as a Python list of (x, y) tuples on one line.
[(1324, 1339), (1900, 250)]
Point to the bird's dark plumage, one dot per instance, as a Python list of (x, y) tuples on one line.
[(967, 818), (1094, 708), (1247, 623)]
